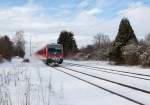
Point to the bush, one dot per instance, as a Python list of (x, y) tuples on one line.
[(115, 54), (26, 60), (145, 58), (130, 54), (19, 52), (102, 54), (1, 59), (79, 56)]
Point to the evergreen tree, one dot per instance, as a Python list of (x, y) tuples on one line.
[(67, 40), (6, 47), (125, 33), (124, 37)]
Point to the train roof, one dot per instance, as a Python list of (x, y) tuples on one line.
[(54, 45)]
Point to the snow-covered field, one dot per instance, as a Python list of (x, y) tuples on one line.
[(35, 83)]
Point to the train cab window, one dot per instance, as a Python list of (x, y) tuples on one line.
[(54, 51)]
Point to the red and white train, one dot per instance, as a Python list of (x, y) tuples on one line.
[(51, 54)]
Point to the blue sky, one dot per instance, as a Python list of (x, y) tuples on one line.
[(55, 7), (46, 18)]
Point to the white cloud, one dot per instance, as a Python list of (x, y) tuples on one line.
[(17, 17), (95, 11), (139, 16), (84, 18), (90, 25), (84, 3), (32, 19), (43, 28)]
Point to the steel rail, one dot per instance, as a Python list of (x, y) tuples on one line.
[(100, 87), (106, 71), (110, 69)]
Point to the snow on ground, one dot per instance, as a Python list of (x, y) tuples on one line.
[(136, 82), (35, 83), (104, 64), (116, 88)]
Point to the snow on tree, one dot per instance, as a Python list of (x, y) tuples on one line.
[(131, 54), (124, 37), (145, 58), (147, 39)]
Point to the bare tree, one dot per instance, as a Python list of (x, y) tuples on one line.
[(19, 39), (19, 42), (102, 41), (147, 39)]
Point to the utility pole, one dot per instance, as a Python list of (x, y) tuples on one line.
[(30, 46)]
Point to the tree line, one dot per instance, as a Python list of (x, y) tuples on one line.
[(125, 49), (11, 48)]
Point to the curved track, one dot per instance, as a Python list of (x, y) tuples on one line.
[(108, 90)]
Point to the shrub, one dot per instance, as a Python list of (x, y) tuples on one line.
[(115, 54), (145, 58), (19, 52), (130, 54), (26, 60), (101, 55), (1, 59), (6, 48)]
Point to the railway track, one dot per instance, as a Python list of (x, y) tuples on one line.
[(121, 84), (112, 71), (67, 71)]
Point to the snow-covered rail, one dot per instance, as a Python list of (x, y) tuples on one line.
[(128, 86), (112, 71), (103, 83)]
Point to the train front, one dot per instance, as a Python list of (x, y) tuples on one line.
[(54, 54)]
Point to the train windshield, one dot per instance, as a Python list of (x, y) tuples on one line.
[(54, 51)]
